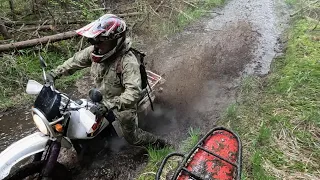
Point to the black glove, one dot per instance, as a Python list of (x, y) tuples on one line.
[(50, 78), (99, 109)]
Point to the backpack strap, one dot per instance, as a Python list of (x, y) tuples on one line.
[(118, 64), (143, 69), (119, 68), (141, 54)]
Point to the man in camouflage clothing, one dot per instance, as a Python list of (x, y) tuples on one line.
[(120, 94)]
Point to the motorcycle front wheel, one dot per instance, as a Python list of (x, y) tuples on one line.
[(32, 171)]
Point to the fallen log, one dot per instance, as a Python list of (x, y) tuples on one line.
[(35, 28), (34, 42)]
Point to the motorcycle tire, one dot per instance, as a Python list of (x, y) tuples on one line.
[(60, 172)]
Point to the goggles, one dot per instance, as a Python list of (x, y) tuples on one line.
[(94, 41)]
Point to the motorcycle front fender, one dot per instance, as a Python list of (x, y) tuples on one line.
[(21, 149)]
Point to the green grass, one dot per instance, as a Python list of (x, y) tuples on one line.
[(191, 141), (193, 13), (156, 157), (277, 117), (184, 16), (16, 70), (291, 2)]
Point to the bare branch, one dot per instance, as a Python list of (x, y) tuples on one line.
[(39, 41), (179, 11), (37, 28), (303, 8), (190, 4), (11, 23)]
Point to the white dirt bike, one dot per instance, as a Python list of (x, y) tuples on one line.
[(62, 122)]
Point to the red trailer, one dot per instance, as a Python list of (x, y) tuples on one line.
[(218, 155)]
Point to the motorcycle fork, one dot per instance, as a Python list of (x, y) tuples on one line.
[(51, 158)]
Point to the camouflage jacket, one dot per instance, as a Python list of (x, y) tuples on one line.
[(121, 94)]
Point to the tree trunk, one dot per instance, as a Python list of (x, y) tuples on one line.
[(12, 10), (34, 42), (33, 5), (3, 30)]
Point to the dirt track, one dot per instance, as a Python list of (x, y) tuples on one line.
[(202, 67), (204, 64)]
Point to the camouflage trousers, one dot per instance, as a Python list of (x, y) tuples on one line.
[(132, 133)]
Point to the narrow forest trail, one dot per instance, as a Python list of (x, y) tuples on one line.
[(202, 66)]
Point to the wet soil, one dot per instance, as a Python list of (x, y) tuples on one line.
[(202, 66)]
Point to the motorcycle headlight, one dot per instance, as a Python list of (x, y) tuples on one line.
[(40, 124)]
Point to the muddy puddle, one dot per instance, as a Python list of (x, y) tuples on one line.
[(15, 125), (202, 67)]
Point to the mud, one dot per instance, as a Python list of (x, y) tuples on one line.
[(202, 66), (14, 125), (114, 165), (202, 70)]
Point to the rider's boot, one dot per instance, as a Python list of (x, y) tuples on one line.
[(161, 143)]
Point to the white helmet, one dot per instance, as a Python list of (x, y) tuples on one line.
[(108, 26)]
